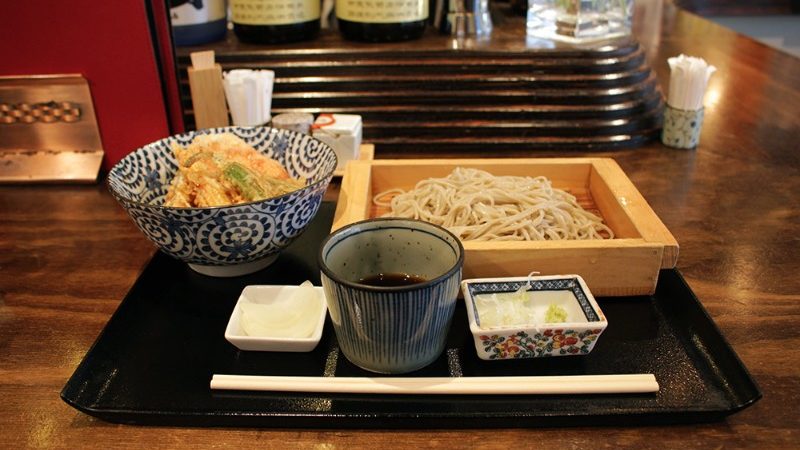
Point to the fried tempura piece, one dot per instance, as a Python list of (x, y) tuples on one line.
[(222, 169)]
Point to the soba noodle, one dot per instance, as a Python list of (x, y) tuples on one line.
[(476, 205)]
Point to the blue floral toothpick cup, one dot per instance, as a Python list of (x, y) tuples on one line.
[(683, 115)]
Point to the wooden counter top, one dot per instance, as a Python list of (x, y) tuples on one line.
[(69, 254)]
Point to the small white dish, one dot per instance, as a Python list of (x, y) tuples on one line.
[(266, 295), (575, 336)]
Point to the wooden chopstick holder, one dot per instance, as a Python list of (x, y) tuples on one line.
[(567, 384), (208, 94)]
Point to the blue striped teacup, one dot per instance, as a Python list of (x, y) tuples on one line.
[(391, 329)]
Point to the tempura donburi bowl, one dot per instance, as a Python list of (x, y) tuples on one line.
[(224, 240)]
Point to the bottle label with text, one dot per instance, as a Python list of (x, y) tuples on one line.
[(274, 12), (191, 13), (382, 11)]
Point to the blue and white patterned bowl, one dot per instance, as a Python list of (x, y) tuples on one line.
[(226, 240)]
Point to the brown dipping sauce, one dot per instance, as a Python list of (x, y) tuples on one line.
[(392, 279)]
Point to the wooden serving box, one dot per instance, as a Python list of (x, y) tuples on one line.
[(629, 264)]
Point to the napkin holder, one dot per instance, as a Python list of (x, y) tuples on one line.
[(208, 96), (48, 130)]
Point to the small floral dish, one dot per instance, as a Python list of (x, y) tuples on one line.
[(532, 317), (278, 318)]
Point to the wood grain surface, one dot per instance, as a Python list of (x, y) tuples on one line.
[(69, 254)]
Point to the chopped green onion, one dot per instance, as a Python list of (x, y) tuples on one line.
[(246, 181)]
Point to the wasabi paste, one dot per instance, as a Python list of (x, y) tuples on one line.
[(555, 314)]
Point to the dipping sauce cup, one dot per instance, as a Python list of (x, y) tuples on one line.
[(402, 326)]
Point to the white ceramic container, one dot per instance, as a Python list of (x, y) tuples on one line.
[(265, 295)]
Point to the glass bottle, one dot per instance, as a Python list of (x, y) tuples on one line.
[(579, 21)]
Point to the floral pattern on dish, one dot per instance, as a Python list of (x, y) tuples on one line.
[(547, 343)]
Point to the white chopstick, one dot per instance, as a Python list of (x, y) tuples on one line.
[(566, 384)]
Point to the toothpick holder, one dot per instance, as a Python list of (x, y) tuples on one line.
[(681, 127)]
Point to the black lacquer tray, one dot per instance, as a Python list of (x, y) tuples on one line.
[(153, 362)]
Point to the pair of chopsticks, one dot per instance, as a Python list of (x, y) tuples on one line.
[(566, 384)]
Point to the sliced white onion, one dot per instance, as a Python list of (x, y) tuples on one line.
[(290, 315)]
